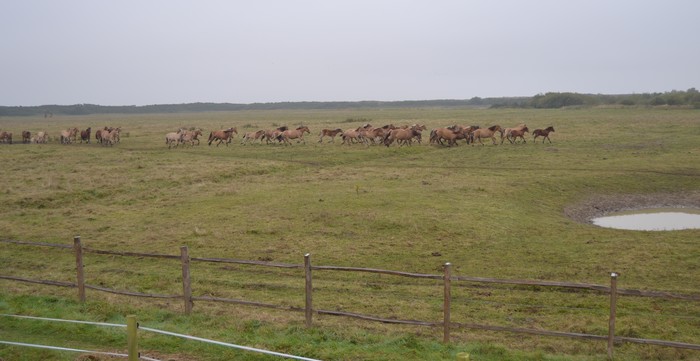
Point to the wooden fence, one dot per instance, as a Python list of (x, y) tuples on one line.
[(446, 278)]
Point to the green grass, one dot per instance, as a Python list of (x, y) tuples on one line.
[(492, 211)]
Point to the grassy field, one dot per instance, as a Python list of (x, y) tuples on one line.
[(492, 211)]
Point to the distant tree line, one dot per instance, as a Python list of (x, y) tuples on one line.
[(688, 98)]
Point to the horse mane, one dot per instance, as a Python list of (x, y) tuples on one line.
[(283, 128), (493, 128)]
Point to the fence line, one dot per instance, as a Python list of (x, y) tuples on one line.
[(309, 310), (131, 318)]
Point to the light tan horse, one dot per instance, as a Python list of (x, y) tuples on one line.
[(252, 136), (297, 134), (352, 136), (189, 136), (483, 133), (110, 137), (505, 134), (68, 135)]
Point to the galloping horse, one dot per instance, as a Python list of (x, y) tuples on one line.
[(450, 134), (543, 133), (41, 137), (110, 137), (297, 134), (173, 137), (505, 134), (26, 136), (224, 135), (351, 136), (329, 133), (274, 134), (515, 134), (486, 133), (189, 136), (68, 136), (85, 135), (253, 136), (402, 136)]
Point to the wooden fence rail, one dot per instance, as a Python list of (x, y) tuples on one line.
[(447, 278)]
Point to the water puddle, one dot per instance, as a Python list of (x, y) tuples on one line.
[(657, 219)]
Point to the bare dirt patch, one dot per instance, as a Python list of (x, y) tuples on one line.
[(600, 205)]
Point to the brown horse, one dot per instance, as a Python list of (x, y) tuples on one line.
[(329, 133), (517, 133), (223, 136), (26, 136), (402, 136), (273, 134), (450, 134), (505, 134), (253, 136), (297, 134), (6, 137), (543, 133), (489, 132), (85, 135), (351, 136)]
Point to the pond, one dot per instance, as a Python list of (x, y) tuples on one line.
[(657, 219)]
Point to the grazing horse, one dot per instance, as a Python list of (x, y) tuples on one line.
[(402, 136), (329, 133), (26, 136), (6, 137), (505, 134), (85, 135), (489, 132), (297, 134), (517, 133), (68, 136), (252, 136), (543, 133), (223, 136)]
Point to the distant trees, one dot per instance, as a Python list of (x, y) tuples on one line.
[(689, 98)]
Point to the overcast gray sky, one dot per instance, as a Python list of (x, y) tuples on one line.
[(140, 52)]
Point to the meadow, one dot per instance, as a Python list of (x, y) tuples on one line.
[(491, 211)]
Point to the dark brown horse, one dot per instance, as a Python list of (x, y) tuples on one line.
[(85, 135), (223, 136), (331, 133), (543, 133), (26, 136)]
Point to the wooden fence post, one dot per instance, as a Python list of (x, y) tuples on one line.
[(78, 249), (186, 285), (132, 340), (613, 311), (447, 301), (309, 290)]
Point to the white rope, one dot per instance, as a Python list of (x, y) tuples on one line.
[(228, 344), (62, 320), (167, 333), (72, 350)]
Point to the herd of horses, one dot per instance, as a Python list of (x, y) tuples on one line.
[(107, 136), (365, 134)]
